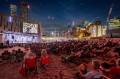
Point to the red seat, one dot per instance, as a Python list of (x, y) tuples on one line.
[(44, 59), (30, 62)]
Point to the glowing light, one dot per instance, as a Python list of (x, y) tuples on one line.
[(94, 31), (51, 17), (10, 19), (73, 23), (28, 6), (52, 33)]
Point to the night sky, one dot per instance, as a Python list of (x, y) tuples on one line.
[(65, 11)]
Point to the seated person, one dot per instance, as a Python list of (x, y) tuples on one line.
[(105, 68), (30, 63), (19, 55), (83, 68), (13, 56), (110, 71), (93, 73), (115, 71), (44, 59), (6, 55)]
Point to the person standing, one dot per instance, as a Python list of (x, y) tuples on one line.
[(44, 59)]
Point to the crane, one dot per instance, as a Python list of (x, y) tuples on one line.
[(108, 19)]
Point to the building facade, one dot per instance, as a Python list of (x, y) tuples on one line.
[(114, 27), (14, 27), (96, 29)]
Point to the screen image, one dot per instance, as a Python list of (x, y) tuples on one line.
[(20, 38), (30, 28)]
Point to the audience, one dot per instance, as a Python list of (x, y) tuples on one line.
[(82, 53), (94, 73)]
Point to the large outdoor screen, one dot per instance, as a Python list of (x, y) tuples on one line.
[(30, 28), (20, 38)]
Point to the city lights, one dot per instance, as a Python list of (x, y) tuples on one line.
[(59, 39), (10, 19), (28, 6)]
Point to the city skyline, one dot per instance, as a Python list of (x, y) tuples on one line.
[(65, 11)]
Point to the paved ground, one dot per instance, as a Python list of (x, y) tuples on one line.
[(10, 71)]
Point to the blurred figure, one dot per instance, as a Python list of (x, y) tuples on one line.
[(44, 59), (83, 68), (111, 70), (13, 56), (30, 63), (93, 73), (77, 76), (6, 56), (7, 43), (19, 55)]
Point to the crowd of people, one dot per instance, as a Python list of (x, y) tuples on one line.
[(102, 54), (25, 56), (11, 56), (95, 58)]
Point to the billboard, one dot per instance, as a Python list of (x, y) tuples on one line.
[(30, 28)]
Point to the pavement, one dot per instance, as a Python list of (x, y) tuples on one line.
[(55, 70)]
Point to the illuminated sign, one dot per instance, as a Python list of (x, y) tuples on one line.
[(30, 28)]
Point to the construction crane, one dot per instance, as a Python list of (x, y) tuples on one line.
[(108, 20)]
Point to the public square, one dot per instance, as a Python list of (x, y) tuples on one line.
[(59, 39)]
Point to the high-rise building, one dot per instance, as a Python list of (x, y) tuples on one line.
[(13, 10), (19, 29), (24, 10), (96, 29)]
